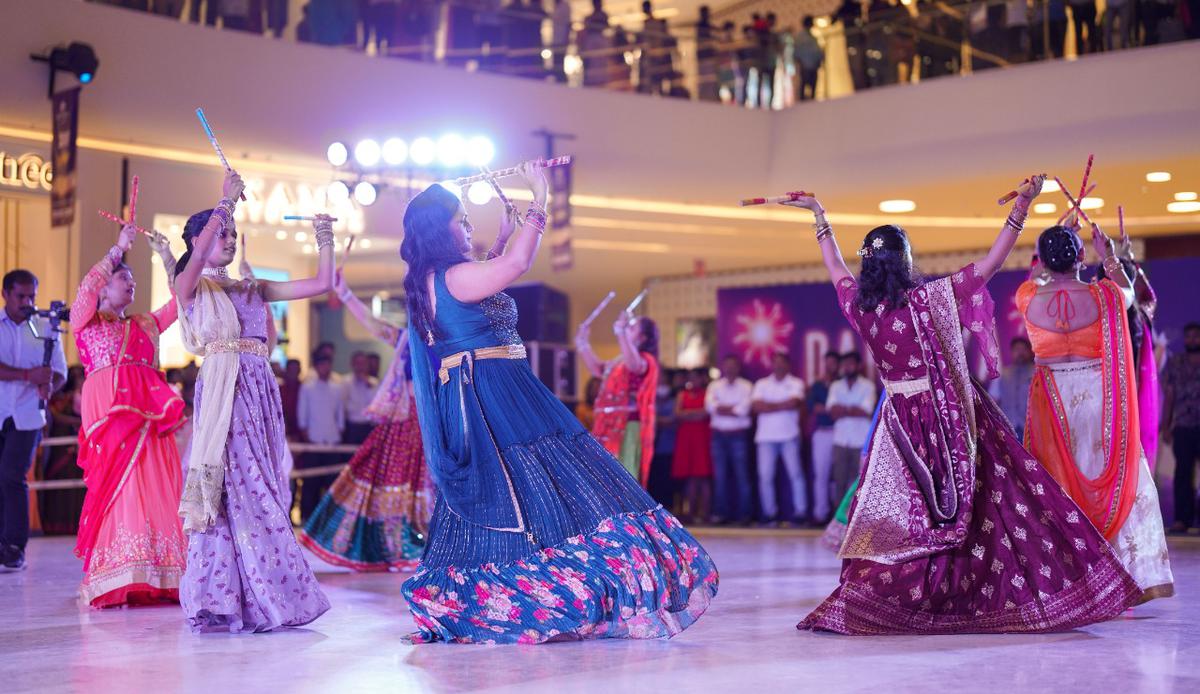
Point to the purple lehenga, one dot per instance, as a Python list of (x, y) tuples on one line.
[(956, 527)]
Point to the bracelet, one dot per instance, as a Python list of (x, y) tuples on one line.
[(824, 234), (324, 238), (823, 229), (223, 215), (536, 218)]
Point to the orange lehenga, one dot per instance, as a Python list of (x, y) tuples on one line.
[(1083, 426), (130, 536)]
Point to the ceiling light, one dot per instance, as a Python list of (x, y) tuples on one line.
[(897, 206), (337, 154), (1183, 206), (281, 235), (422, 151), (366, 153), (1050, 186), (365, 243), (451, 150), (364, 193), (1158, 176), (1091, 203), (301, 237), (1045, 208), (480, 193), (308, 249), (395, 151), (480, 151), (337, 193), (1183, 197)]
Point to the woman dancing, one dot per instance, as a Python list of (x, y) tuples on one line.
[(245, 570), (1083, 423), (538, 533), (955, 528), (624, 409), (130, 539), (375, 517)]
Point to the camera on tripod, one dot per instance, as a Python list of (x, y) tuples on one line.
[(54, 317)]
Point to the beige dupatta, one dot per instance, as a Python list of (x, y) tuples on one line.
[(213, 318)]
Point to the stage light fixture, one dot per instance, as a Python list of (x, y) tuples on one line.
[(480, 151), (453, 187), (366, 153), (364, 193), (451, 150), (337, 154), (395, 151), (338, 193), (480, 193), (422, 151), (77, 58)]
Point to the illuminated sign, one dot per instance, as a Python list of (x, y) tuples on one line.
[(25, 171), (268, 202)]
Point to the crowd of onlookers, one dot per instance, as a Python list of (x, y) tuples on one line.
[(322, 408), (773, 451), (761, 64)]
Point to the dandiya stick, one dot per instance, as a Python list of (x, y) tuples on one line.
[(114, 218), (1012, 194), (772, 201), (212, 139), (1087, 173), (301, 218), (596, 311), (1070, 199), (1087, 193), (637, 300), (1121, 220), (512, 170), (133, 201), (346, 254)]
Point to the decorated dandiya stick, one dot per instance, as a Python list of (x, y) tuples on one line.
[(114, 218), (1012, 194), (1070, 199), (1121, 220), (346, 254), (596, 311), (133, 201), (1087, 173), (212, 139), (1086, 193), (304, 219), (512, 170), (772, 201)]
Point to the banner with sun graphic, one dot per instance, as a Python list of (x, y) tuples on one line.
[(754, 323)]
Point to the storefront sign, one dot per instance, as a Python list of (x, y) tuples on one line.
[(26, 171)]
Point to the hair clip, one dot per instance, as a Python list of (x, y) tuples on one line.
[(865, 252)]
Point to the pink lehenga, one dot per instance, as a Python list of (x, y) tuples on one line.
[(130, 536), (956, 528)]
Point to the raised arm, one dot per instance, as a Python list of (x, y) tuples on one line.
[(474, 282), (189, 277), (830, 253), (162, 248), (309, 286), (87, 298), (381, 329), (1113, 269), (634, 361), (1004, 243), (583, 346)]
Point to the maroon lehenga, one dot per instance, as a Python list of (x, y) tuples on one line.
[(956, 527)]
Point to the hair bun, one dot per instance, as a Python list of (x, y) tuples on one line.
[(1059, 248)]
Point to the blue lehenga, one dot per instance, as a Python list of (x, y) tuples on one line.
[(538, 533)]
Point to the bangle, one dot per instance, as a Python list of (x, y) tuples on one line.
[(536, 217), (823, 229), (324, 238), (824, 234)]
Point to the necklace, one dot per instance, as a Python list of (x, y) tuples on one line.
[(218, 273)]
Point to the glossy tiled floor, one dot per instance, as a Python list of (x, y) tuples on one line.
[(746, 644)]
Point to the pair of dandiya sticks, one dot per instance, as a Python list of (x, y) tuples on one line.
[(1076, 204), (637, 300)]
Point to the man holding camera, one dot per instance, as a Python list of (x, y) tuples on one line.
[(24, 385)]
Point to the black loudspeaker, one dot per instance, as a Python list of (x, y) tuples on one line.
[(543, 313), (554, 366)]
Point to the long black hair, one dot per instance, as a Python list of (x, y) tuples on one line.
[(648, 337), (1060, 249), (195, 224), (887, 273), (428, 246)]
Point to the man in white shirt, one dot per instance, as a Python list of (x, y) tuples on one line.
[(321, 416), (728, 402), (24, 384), (778, 400), (358, 391), (851, 403), (821, 447)]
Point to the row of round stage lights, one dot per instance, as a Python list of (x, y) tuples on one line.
[(449, 152)]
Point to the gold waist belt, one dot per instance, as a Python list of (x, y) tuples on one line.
[(471, 356), (240, 346), (916, 385)]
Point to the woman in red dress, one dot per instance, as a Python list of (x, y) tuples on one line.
[(693, 457)]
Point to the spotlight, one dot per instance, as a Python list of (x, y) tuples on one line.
[(365, 243), (366, 153), (364, 193), (451, 150), (395, 151), (281, 235), (301, 237), (337, 154), (480, 151), (337, 193), (453, 188), (422, 151), (77, 58), (480, 193)]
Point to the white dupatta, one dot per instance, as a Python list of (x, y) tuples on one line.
[(212, 318)]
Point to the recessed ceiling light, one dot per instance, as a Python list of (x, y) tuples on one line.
[(1045, 208), (308, 249), (897, 206), (1183, 206), (1158, 176), (365, 243), (1185, 196), (1050, 186), (301, 237), (281, 235), (1091, 203)]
